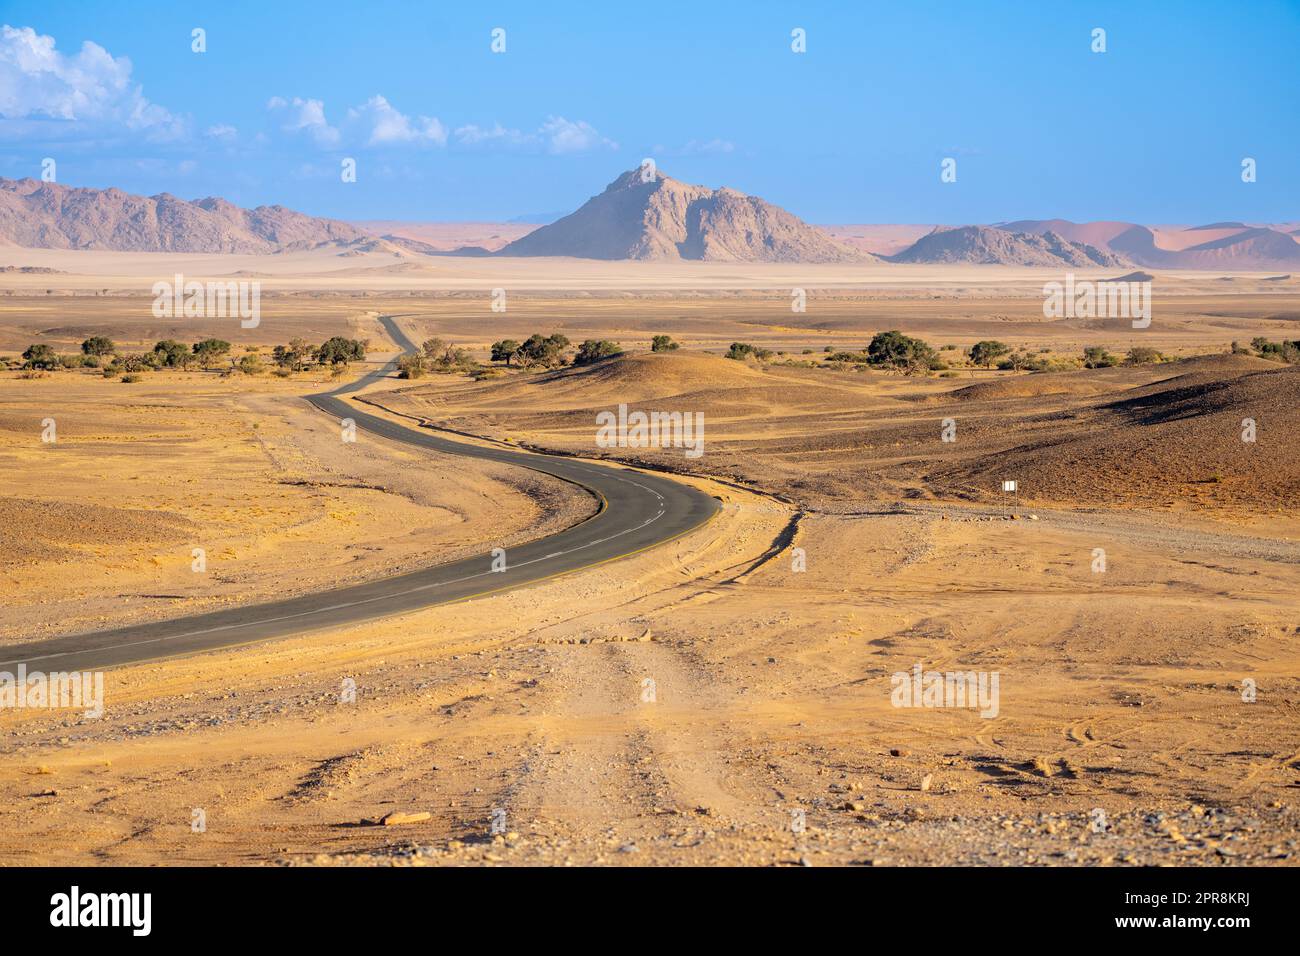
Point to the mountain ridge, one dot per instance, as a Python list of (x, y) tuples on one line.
[(657, 217)]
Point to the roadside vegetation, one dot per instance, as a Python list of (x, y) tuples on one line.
[(209, 355), (1284, 351)]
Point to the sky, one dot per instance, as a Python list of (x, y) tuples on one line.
[(855, 129)]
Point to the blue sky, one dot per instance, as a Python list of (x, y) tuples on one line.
[(853, 130)]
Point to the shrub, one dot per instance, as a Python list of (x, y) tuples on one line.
[(210, 351), (593, 350), (173, 354), (505, 350), (1284, 351), (988, 351), (338, 351), (895, 350), (743, 350), (250, 364), (292, 357), (1023, 362), (1142, 355), (662, 343), (412, 365), (40, 357), (130, 378), (544, 350), (1095, 356), (98, 346)]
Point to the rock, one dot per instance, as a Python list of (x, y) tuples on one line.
[(926, 781), (899, 752), (397, 818)]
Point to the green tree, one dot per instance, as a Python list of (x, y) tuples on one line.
[(340, 351), (988, 351), (546, 351), (210, 351), (662, 343), (98, 346), (893, 349), (40, 356), (505, 350), (412, 365), (593, 350), (1142, 355), (173, 354), (1096, 356), (292, 357), (743, 350)]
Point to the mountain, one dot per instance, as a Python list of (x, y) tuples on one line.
[(1219, 245), (986, 245), (662, 218), (52, 216)]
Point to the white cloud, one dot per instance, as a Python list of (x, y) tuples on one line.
[(222, 131), (37, 81), (387, 125), (306, 116), (556, 135), (472, 135), (564, 136)]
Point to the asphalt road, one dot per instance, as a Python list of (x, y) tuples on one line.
[(638, 511)]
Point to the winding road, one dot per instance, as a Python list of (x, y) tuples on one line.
[(638, 511)]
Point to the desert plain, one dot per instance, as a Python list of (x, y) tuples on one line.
[(1148, 704)]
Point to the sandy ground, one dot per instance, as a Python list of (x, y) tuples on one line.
[(725, 698), (101, 524), (327, 271)]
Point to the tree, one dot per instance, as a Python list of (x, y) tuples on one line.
[(250, 364), (294, 356), (505, 350), (593, 350), (988, 351), (210, 351), (340, 351), (98, 346), (1142, 355), (546, 351), (434, 348), (743, 350), (662, 343), (40, 356), (893, 349), (412, 365), (172, 353), (1096, 356)]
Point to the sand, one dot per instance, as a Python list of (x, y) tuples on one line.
[(1123, 733)]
